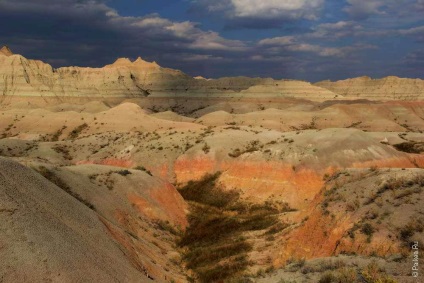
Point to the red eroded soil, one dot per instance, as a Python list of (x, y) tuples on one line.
[(163, 203)]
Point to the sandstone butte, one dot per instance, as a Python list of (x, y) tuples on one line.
[(111, 146)]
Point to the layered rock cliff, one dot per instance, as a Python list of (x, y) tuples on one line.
[(24, 77), (388, 88), (20, 76)]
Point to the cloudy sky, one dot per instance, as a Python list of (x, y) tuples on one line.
[(299, 39)]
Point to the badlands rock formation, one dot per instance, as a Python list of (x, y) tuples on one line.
[(125, 78), (6, 51), (134, 172), (23, 77), (389, 88)]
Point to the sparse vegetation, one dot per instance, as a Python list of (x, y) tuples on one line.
[(344, 275), (410, 147), (251, 147), (62, 149), (401, 187), (373, 273), (52, 177), (76, 132), (124, 172), (414, 226), (206, 148), (367, 229), (58, 133), (142, 168)]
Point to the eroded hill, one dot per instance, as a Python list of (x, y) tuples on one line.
[(138, 173)]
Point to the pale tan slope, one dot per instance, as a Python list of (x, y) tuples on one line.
[(388, 88), (293, 89), (139, 210), (380, 117), (137, 193), (121, 119), (47, 235)]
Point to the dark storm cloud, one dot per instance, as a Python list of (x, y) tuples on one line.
[(88, 31), (58, 30), (415, 60), (297, 39), (401, 10)]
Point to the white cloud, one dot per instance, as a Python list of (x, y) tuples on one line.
[(361, 9), (213, 41), (278, 45), (190, 35), (276, 8), (282, 40), (263, 9), (152, 22), (412, 31), (336, 30)]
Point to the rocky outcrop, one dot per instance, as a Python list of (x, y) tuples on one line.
[(125, 78), (359, 212), (388, 88), (23, 77), (5, 50)]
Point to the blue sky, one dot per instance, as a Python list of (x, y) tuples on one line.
[(297, 39)]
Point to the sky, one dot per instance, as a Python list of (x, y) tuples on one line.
[(309, 40)]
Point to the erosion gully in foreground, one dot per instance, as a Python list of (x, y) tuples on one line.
[(138, 173)]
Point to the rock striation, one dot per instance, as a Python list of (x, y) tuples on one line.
[(388, 88), (23, 77), (20, 76)]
